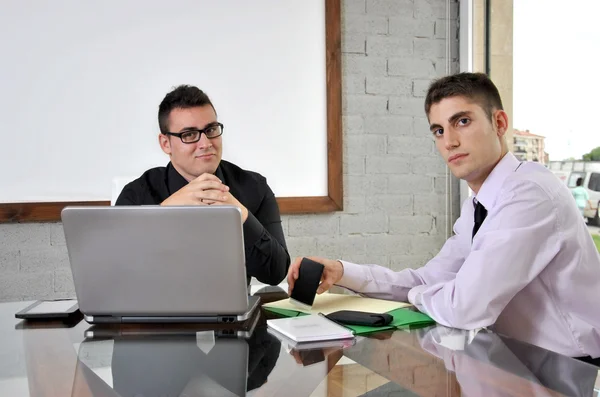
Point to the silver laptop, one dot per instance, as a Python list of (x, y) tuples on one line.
[(153, 264)]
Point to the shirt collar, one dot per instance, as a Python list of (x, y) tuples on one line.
[(176, 181), (489, 190)]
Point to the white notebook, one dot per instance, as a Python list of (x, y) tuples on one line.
[(289, 344), (309, 328)]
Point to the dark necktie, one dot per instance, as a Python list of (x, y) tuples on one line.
[(480, 214)]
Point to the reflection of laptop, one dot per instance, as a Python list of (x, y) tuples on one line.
[(153, 264), (163, 366)]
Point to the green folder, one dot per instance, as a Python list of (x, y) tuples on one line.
[(402, 318)]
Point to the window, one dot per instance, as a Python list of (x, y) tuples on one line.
[(514, 42), (535, 36), (520, 143), (594, 183), (574, 176)]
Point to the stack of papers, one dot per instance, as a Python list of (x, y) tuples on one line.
[(309, 328)]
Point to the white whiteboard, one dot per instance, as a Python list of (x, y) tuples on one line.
[(81, 82)]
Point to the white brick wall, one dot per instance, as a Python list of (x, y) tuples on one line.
[(394, 183), (390, 7), (415, 27), (369, 24), (406, 106), (388, 164), (33, 262), (389, 46), (412, 67), (392, 86), (410, 145), (388, 125), (361, 65)]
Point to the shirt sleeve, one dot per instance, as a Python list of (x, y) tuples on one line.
[(267, 258), (383, 283), (514, 245)]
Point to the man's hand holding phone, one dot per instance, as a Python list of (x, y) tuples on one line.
[(309, 275)]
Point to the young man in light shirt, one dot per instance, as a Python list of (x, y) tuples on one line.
[(520, 261)]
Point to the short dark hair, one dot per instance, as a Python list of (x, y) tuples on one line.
[(477, 87), (182, 97), (579, 181)]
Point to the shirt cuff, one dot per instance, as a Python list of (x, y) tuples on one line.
[(354, 277), (414, 296), (253, 230)]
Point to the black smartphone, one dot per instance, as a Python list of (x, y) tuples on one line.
[(305, 287), (50, 310)]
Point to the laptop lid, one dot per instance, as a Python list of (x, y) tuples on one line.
[(157, 261)]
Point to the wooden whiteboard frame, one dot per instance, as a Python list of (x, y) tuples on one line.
[(50, 211)]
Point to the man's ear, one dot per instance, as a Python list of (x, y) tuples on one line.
[(500, 119), (165, 143)]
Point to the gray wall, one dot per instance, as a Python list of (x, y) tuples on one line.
[(395, 189)]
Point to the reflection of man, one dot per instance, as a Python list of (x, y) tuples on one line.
[(521, 261), (488, 365), (262, 357), (190, 134)]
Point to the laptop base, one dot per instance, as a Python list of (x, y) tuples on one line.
[(253, 304)]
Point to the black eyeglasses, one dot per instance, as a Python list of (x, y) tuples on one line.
[(193, 135)]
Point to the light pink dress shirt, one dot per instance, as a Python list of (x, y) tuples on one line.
[(532, 271)]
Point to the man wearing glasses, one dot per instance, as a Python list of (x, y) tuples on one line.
[(190, 135)]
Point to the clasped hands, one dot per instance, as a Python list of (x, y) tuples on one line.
[(207, 189)]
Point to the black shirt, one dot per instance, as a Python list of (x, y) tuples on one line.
[(267, 258)]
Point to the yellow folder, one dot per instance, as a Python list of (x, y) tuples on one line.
[(328, 303)]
